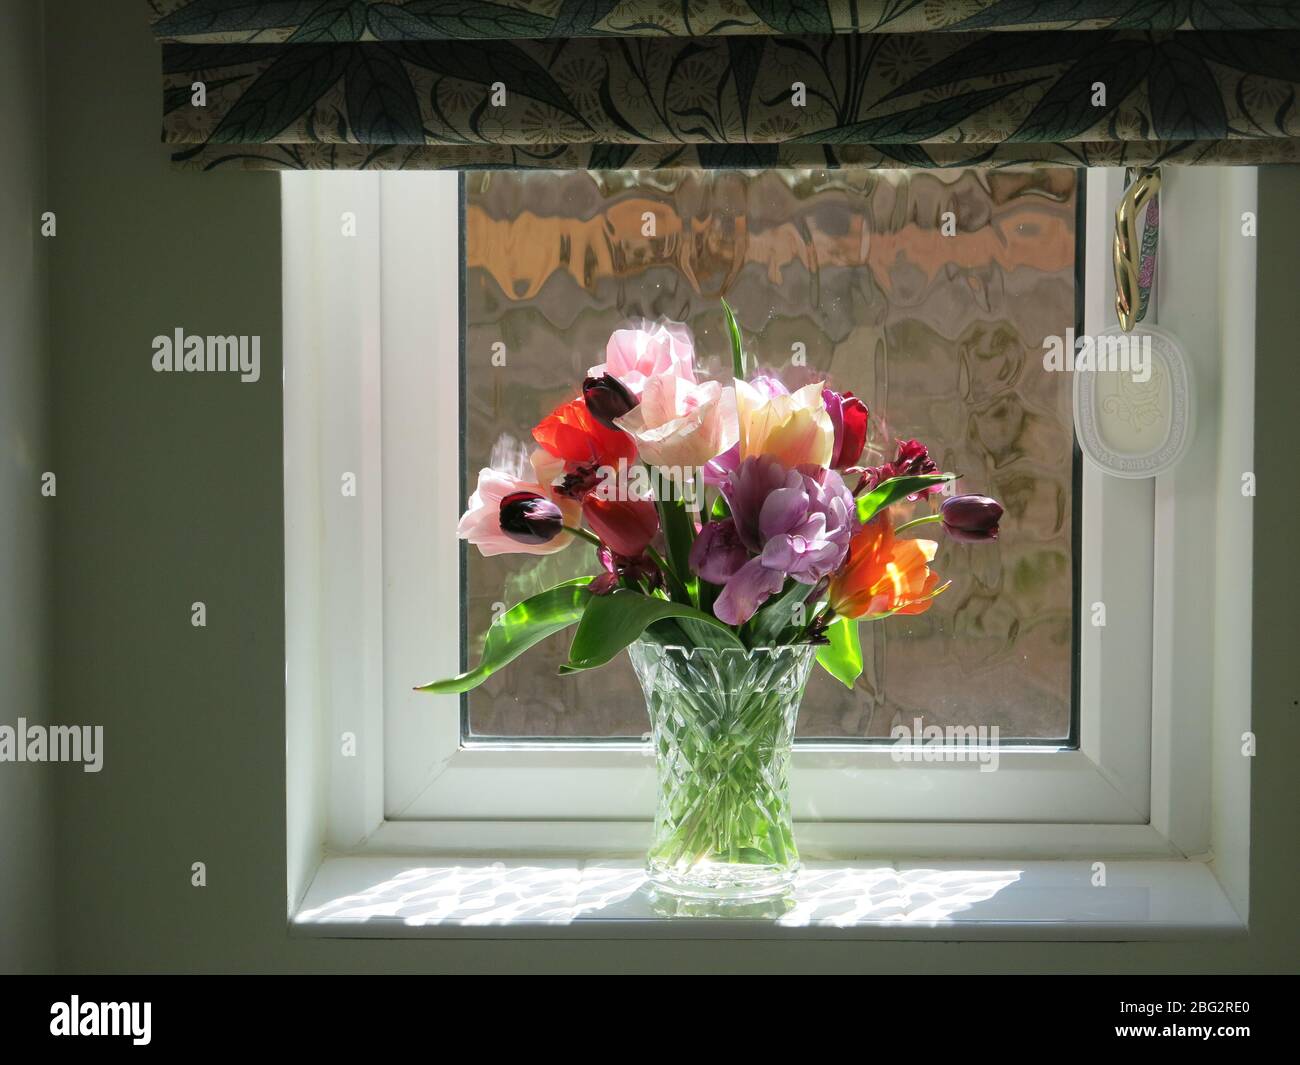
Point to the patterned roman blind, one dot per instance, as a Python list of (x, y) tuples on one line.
[(645, 84)]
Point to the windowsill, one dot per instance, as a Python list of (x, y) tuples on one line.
[(408, 897)]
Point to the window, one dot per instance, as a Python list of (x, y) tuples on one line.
[(928, 294), (378, 367)]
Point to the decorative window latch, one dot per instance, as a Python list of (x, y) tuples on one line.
[(1135, 263)]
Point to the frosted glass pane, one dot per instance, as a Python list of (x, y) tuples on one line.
[(941, 335)]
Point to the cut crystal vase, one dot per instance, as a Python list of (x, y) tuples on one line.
[(722, 722)]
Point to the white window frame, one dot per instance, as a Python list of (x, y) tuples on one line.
[(372, 356)]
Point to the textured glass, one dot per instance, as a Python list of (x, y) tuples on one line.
[(929, 294), (722, 723)]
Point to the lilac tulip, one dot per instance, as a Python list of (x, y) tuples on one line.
[(793, 524)]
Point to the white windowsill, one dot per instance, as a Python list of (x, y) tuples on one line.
[(410, 897)]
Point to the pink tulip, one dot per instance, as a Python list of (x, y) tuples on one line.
[(635, 355), (680, 423), (481, 523)]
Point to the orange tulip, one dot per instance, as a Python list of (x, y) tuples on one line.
[(883, 576)]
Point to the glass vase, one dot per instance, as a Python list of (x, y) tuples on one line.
[(722, 722)]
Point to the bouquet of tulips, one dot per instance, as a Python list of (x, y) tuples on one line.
[(718, 514)]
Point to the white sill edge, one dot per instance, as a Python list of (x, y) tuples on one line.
[(408, 897)]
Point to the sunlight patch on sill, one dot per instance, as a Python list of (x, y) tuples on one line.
[(406, 897)]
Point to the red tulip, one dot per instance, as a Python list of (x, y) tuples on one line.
[(625, 526), (571, 433), (849, 419)]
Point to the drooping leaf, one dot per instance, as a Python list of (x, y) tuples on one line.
[(518, 629), (842, 657), (613, 621), (382, 106), (737, 345), (1185, 100), (335, 21), (297, 78), (894, 489)]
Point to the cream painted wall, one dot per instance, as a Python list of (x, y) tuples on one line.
[(26, 821)]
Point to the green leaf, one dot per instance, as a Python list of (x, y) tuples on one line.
[(335, 20), (679, 533), (894, 489), (382, 106), (613, 621), (297, 78), (842, 657), (737, 346), (775, 616), (518, 629)]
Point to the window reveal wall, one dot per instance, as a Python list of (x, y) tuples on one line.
[(929, 294)]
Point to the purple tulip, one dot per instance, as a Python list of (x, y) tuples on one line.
[(971, 519), (793, 524), (717, 552)]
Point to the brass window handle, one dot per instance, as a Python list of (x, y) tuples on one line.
[(1128, 250)]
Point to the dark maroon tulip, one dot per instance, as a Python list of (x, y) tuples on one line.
[(607, 398), (913, 460), (530, 518), (971, 519)]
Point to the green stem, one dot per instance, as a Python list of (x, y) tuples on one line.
[(589, 537), (919, 521)]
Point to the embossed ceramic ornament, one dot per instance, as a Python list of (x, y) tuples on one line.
[(1134, 401)]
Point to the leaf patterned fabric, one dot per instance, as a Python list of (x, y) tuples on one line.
[(562, 84)]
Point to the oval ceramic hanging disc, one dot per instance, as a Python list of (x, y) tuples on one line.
[(1133, 401)]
